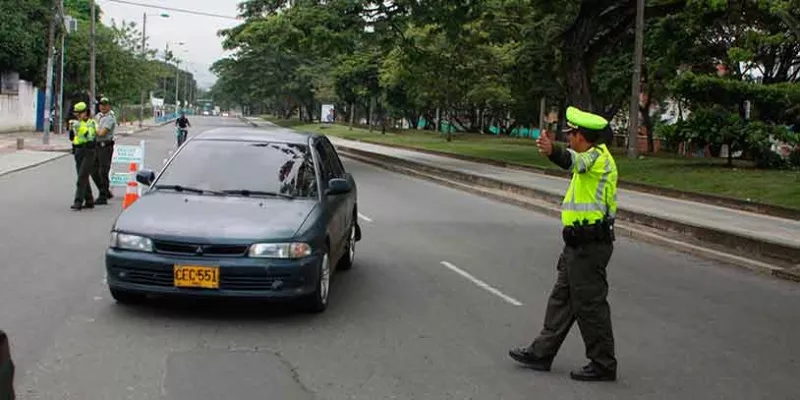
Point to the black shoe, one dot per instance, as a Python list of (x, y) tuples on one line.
[(525, 356), (110, 195), (593, 373), (101, 201), (76, 206), (88, 205)]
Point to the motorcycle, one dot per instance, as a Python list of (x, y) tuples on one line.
[(181, 134)]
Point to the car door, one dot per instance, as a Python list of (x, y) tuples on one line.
[(332, 203), (350, 199)]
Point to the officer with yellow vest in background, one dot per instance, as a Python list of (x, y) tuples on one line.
[(587, 216), (85, 156)]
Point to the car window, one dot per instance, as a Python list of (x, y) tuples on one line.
[(284, 168), (333, 159), (325, 165)]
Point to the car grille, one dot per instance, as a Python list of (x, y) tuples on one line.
[(227, 281), (189, 249)]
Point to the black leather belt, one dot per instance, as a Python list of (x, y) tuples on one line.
[(105, 143)]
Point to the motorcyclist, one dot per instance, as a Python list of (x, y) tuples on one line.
[(182, 123)]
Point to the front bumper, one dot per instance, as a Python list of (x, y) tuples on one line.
[(240, 277)]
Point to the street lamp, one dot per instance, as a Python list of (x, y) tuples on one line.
[(144, 56)]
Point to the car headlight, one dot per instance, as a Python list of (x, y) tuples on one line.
[(280, 250), (125, 241)]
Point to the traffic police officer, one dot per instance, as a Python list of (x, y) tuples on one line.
[(587, 214), (106, 124), (85, 156)]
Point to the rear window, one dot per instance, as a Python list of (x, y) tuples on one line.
[(284, 168)]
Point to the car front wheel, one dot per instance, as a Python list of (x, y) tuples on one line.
[(349, 256), (317, 302)]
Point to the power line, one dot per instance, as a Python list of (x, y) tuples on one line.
[(133, 3)]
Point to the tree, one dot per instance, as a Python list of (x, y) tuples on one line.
[(24, 31)]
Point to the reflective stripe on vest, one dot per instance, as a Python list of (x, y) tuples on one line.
[(84, 132), (592, 193)]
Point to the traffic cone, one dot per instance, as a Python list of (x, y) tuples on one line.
[(132, 192)]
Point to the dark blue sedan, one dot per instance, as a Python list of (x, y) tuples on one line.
[(239, 212)]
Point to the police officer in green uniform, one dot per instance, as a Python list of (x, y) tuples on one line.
[(85, 156), (106, 124), (587, 215)]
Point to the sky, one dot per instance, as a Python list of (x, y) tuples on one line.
[(199, 33)]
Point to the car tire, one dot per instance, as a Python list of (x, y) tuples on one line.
[(124, 297), (349, 255), (317, 302)]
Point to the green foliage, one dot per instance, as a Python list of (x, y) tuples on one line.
[(24, 30)]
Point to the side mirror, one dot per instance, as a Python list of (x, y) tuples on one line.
[(145, 177), (338, 186)]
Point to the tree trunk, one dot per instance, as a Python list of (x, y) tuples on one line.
[(370, 117), (648, 121), (576, 80), (449, 116), (352, 114), (437, 124)]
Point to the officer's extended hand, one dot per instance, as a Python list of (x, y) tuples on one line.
[(545, 145)]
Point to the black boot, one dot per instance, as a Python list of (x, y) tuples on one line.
[(76, 206), (526, 356), (101, 201), (594, 373)]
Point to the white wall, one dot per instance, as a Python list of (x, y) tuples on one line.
[(18, 112)]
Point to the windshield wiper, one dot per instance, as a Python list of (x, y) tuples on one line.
[(246, 192), (179, 188)]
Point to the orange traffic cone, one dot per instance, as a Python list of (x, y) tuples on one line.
[(132, 192)]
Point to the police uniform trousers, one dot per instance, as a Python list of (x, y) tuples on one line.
[(104, 152), (580, 295), (85, 163)]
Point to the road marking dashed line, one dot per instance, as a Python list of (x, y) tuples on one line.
[(364, 217), (483, 285)]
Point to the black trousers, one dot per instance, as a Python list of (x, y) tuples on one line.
[(103, 167), (6, 369), (85, 161), (580, 294)]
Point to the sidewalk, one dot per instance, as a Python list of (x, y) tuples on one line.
[(35, 153)]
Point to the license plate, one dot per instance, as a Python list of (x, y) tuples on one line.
[(193, 276)]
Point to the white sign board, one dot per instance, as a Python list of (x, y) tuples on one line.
[(128, 154), (328, 113), (123, 156), (120, 178)]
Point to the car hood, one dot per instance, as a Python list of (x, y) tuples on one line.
[(169, 215)]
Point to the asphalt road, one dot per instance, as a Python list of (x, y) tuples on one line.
[(444, 283)]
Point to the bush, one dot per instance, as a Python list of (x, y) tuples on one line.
[(794, 158)]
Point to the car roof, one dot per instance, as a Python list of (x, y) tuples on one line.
[(245, 134)]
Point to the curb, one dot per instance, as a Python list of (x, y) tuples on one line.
[(773, 259), (36, 164)]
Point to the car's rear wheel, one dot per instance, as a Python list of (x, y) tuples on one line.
[(124, 297), (349, 255), (317, 302)]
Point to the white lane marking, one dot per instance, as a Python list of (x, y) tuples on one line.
[(481, 284), (364, 217)]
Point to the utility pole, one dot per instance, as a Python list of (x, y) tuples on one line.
[(49, 85), (177, 84), (144, 56), (633, 121), (92, 64)]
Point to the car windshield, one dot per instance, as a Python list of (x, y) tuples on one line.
[(236, 168)]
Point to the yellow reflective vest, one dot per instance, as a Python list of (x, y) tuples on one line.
[(592, 193), (85, 132)]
